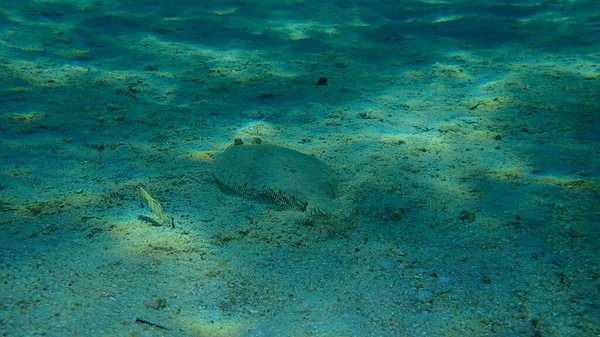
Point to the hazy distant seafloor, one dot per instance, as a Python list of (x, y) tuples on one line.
[(465, 133)]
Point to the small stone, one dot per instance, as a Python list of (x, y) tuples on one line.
[(156, 303), (322, 81), (467, 216), (397, 252)]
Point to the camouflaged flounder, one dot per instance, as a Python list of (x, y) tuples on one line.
[(285, 176)]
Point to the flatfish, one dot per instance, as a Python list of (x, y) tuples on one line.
[(284, 176)]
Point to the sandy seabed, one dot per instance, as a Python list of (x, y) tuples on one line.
[(466, 135)]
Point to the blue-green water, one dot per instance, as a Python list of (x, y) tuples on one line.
[(462, 135)]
